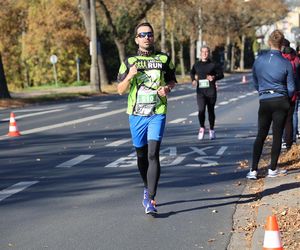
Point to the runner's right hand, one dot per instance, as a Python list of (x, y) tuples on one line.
[(132, 71)]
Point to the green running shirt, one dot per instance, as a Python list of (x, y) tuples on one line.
[(154, 71)]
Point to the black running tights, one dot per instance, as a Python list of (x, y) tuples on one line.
[(209, 101), (270, 111), (149, 166)]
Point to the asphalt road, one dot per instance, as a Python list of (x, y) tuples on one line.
[(71, 182)]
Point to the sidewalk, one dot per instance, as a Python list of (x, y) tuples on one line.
[(266, 196)]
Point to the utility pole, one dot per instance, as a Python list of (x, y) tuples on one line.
[(94, 75), (163, 26), (199, 42)]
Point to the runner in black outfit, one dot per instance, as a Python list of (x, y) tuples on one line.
[(204, 75)]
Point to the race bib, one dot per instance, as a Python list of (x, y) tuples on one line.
[(203, 84), (146, 101)]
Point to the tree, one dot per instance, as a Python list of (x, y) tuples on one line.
[(122, 17), (4, 93), (101, 78), (55, 27)]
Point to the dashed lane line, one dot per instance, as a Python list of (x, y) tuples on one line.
[(96, 108), (117, 143), (34, 114), (16, 188), (179, 120), (74, 161), (85, 105)]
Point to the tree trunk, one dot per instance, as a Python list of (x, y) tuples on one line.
[(94, 71), (226, 55), (104, 82), (173, 48), (242, 59), (232, 61), (121, 50), (163, 26), (84, 7), (182, 69), (192, 52), (4, 93)]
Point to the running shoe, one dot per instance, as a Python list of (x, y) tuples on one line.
[(252, 175), (283, 145), (201, 133), (212, 134), (276, 172), (145, 198), (150, 208)]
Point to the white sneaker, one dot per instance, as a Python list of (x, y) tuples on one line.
[(276, 172), (283, 145), (212, 134), (201, 133), (252, 175)]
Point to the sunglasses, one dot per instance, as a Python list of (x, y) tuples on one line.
[(145, 34)]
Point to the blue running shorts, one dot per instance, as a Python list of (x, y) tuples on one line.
[(145, 128)]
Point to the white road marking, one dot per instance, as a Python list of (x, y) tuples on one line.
[(16, 188), (34, 114), (222, 150), (96, 108), (176, 98), (74, 161), (39, 109), (105, 102), (214, 164), (117, 143), (68, 123), (85, 105), (178, 120), (233, 99), (194, 114), (223, 103)]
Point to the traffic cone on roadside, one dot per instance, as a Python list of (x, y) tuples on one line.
[(13, 129), (272, 239), (244, 80)]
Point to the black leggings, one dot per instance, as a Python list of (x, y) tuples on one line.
[(273, 110), (288, 128), (149, 166), (209, 101)]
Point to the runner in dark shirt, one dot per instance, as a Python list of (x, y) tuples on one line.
[(204, 75)]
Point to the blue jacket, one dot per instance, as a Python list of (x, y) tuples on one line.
[(272, 72)]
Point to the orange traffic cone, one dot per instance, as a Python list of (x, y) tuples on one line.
[(244, 80), (272, 235), (13, 129)]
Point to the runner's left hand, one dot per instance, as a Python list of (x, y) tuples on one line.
[(163, 91)]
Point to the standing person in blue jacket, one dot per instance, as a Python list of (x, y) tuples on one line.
[(274, 80)]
